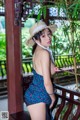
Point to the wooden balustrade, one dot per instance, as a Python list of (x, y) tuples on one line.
[(2, 68), (70, 101), (27, 65), (66, 107), (67, 101), (65, 61), (61, 77)]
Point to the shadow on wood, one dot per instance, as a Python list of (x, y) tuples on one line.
[(23, 115)]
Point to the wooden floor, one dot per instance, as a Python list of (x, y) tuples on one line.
[(24, 115)]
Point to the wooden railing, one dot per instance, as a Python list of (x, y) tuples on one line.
[(61, 78), (65, 61), (67, 104), (27, 65), (68, 107), (2, 68)]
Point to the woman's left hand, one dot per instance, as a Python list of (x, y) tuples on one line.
[(56, 69)]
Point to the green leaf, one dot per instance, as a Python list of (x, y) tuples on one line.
[(39, 14), (75, 10), (44, 12)]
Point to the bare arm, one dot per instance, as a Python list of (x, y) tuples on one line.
[(45, 64)]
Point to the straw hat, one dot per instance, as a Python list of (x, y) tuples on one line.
[(39, 26)]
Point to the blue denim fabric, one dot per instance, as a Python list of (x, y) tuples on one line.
[(36, 92)]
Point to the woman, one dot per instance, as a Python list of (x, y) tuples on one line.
[(40, 95)]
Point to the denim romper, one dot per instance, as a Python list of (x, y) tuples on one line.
[(36, 92)]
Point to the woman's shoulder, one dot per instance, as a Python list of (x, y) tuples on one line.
[(44, 53)]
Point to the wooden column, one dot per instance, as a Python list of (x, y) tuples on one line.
[(13, 35)]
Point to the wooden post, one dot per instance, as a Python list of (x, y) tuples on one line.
[(13, 35)]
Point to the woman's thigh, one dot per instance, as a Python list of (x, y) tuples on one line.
[(37, 111)]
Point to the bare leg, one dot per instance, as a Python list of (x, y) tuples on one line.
[(37, 111)]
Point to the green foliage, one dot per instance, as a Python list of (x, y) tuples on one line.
[(1, 3), (2, 46), (26, 50), (61, 42), (39, 14)]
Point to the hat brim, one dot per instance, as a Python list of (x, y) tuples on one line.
[(30, 42)]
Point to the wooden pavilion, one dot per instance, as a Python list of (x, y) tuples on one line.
[(13, 13)]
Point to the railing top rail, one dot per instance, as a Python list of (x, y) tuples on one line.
[(27, 58), (67, 90), (64, 55)]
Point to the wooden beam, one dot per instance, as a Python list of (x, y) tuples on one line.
[(13, 32)]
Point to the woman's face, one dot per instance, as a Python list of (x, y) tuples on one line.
[(46, 38)]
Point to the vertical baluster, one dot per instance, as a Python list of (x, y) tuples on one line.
[(72, 63), (70, 106), (2, 73), (0, 68), (61, 106), (67, 60), (77, 115), (61, 61), (58, 61), (5, 67), (31, 66), (55, 61), (23, 67), (26, 65), (64, 62)]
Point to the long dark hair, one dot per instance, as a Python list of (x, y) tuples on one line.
[(37, 37)]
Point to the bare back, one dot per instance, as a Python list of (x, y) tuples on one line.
[(37, 60)]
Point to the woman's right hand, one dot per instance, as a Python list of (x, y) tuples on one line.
[(53, 100)]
